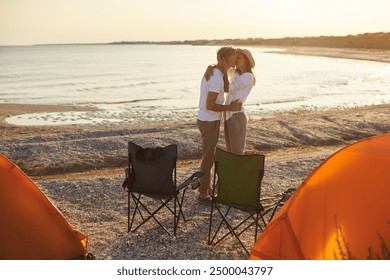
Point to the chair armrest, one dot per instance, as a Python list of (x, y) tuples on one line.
[(276, 201), (128, 177), (192, 178), (279, 196)]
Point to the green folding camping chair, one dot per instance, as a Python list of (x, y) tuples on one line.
[(236, 191), (151, 185)]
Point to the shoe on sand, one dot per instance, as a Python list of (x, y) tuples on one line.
[(204, 200)]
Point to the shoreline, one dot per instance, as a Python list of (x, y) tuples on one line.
[(359, 54), (14, 109)]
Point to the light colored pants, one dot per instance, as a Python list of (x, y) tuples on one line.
[(235, 133), (210, 135)]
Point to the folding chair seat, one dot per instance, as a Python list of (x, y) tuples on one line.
[(151, 186), (236, 197)]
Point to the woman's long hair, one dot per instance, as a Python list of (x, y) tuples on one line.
[(248, 68)]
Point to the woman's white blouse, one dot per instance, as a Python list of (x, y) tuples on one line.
[(239, 89)]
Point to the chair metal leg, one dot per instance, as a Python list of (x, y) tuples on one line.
[(209, 242), (234, 230), (236, 227), (175, 220), (128, 211), (151, 216), (181, 205), (136, 208), (219, 227), (257, 225)]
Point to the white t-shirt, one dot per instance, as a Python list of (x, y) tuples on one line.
[(215, 84), (239, 89)]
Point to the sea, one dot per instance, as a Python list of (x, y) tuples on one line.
[(160, 83)]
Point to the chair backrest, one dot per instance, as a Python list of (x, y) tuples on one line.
[(153, 170), (239, 179)]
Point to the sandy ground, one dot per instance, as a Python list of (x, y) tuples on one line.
[(81, 170)]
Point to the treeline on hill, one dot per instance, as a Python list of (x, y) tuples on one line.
[(380, 40)]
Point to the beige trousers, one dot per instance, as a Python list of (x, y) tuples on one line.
[(235, 133), (210, 135)]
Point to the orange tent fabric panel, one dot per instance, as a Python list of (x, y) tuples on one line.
[(341, 211), (30, 226)]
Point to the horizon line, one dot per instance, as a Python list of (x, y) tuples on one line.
[(193, 40)]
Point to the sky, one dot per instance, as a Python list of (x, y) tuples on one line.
[(28, 22)]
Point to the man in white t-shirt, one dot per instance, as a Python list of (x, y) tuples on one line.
[(210, 113)]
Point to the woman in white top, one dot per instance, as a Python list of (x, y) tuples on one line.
[(242, 82)]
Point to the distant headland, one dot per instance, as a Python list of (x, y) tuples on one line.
[(379, 40)]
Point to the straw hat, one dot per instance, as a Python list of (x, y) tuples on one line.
[(248, 56)]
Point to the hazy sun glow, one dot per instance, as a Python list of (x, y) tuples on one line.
[(94, 21), (290, 6)]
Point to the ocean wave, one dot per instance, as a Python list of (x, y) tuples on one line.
[(284, 100), (129, 101), (92, 86)]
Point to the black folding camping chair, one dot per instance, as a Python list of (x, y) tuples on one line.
[(151, 177)]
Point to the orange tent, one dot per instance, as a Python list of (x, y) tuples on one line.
[(31, 228), (341, 211)]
